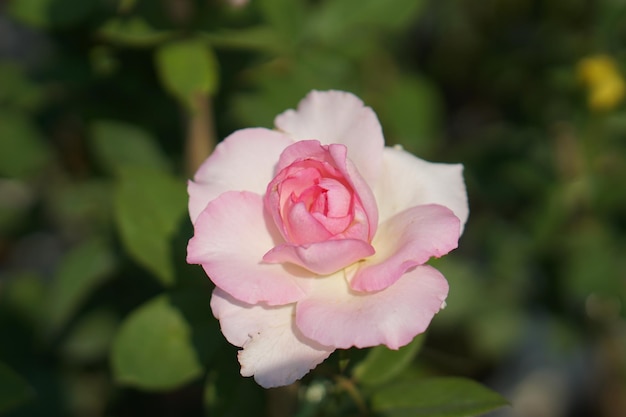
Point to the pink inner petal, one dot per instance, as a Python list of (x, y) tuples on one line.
[(335, 225), (303, 150), (338, 196), (323, 257), (363, 191), (302, 227), (313, 198)]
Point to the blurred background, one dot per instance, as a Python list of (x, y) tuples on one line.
[(107, 106)]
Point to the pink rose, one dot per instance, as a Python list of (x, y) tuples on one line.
[(316, 235)]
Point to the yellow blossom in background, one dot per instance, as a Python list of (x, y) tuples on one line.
[(604, 82)]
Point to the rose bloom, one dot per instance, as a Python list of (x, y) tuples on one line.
[(316, 237)]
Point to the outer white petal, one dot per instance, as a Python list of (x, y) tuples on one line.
[(335, 315), (338, 117), (274, 351), (407, 181), (244, 161)]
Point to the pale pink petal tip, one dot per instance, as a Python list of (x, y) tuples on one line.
[(231, 236), (244, 161)]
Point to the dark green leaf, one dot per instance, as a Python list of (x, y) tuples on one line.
[(82, 208), (118, 144), (224, 388), (25, 294), (16, 89), (382, 364), (82, 270), (260, 38), (13, 389), (497, 330), (348, 19), (149, 205), (187, 68), (132, 31), (593, 262), (280, 88), (16, 199), (436, 397), (22, 150), (90, 338), (51, 13), (153, 349), (285, 16)]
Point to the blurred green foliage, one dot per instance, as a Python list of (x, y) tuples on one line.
[(99, 99)]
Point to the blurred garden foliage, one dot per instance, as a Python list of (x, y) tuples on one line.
[(106, 106)]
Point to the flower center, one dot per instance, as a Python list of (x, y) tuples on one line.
[(315, 203)]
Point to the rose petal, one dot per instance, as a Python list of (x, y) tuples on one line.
[(244, 161), (360, 186), (274, 350), (231, 236), (323, 257), (334, 315), (404, 241), (337, 156), (303, 227), (302, 150), (338, 117), (338, 199), (407, 181)]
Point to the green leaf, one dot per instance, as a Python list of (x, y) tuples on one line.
[(51, 13), (118, 144), (412, 110), (278, 87), (382, 364), (224, 388), (16, 89), (132, 31), (82, 270), (349, 19), (285, 16), (436, 397), (187, 68), (13, 389), (594, 260), (82, 208), (260, 38), (90, 339), (25, 294), (22, 150), (466, 291), (149, 205), (153, 349), (498, 330)]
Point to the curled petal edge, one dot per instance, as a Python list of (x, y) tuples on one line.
[(321, 258), (406, 240)]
